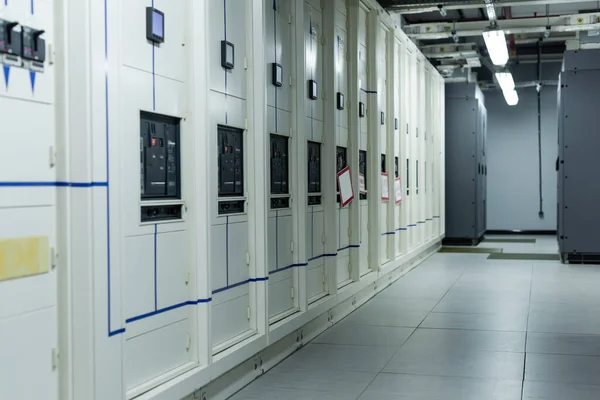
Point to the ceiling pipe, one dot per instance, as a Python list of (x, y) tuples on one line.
[(418, 8), (523, 30)]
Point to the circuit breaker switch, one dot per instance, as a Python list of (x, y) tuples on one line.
[(10, 43), (33, 46)]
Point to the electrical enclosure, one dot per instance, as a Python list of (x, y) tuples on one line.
[(578, 163), (231, 169), (279, 170), (314, 173), (341, 163), (466, 131), (160, 164), (362, 169)]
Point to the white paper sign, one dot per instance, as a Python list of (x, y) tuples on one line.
[(362, 188), (398, 190), (385, 188), (345, 183)]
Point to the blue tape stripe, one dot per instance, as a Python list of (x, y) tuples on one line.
[(251, 280), (164, 310), (350, 246), (401, 229), (322, 256), (54, 184), (368, 91), (420, 222), (436, 216), (287, 267), (117, 332), (412, 225), (388, 233), (32, 9)]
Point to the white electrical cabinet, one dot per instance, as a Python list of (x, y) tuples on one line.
[(174, 183)]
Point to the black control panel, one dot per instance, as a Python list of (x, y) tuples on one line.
[(159, 156), (314, 167), (362, 169), (161, 213), (231, 207), (10, 39), (280, 202), (279, 164), (314, 172), (230, 143), (383, 163), (33, 46), (396, 168), (341, 156)]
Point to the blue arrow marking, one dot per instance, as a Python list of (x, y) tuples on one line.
[(6, 73), (32, 79)]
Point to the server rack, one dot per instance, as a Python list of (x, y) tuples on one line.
[(578, 163), (466, 164)]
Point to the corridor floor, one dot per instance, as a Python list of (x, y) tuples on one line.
[(458, 327)]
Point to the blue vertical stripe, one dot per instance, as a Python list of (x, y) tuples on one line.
[(227, 251), (155, 270), (31, 4), (276, 239), (153, 80)]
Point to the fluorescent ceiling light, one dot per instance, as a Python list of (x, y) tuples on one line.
[(495, 41), (505, 80), (511, 97)]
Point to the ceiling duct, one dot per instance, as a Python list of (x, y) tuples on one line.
[(424, 6)]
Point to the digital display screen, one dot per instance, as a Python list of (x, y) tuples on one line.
[(158, 24)]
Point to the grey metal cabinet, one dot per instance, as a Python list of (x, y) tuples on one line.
[(578, 205), (466, 164)]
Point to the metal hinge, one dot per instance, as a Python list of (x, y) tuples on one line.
[(247, 258), (323, 278), (53, 257), (292, 293), (248, 312), (292, 247), (187, 277), (188, 342), (323, 238), (289, 18), (290, 79), (55, 356), (52, 158), (350, 268), (245, 63)]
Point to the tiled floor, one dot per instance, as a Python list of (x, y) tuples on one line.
[(459, 327)]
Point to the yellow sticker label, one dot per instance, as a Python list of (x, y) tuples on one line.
[(24, 257)]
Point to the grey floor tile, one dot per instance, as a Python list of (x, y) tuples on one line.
[(360, 335), (570, 344), (489, 306), (562, 368), (349, 383), (414, 387), (505, 321), (383, 312), (339, 357), (559, 391), (459, 363), (274, 393), (564, 318), (451, 340)]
